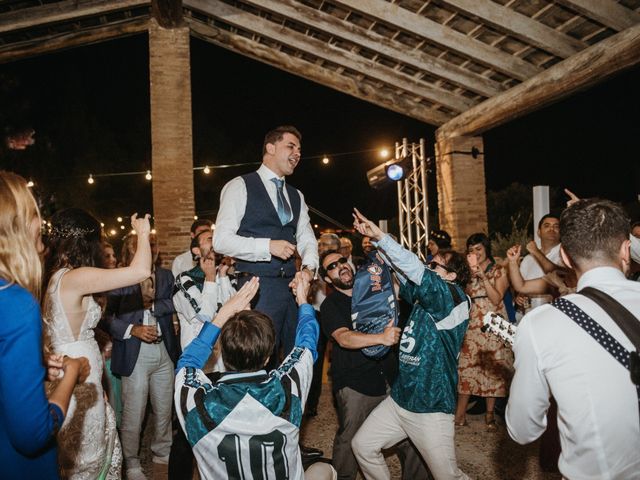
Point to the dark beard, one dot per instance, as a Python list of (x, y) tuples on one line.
[(338, 283)]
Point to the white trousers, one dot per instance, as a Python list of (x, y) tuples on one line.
[(431, 433)]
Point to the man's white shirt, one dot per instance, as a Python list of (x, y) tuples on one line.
[(233, 202), (531, 269), (597, 402)]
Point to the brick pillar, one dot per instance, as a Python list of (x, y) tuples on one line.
[(171, 138), (462, 200)]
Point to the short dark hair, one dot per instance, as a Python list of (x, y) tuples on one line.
[(593, 229), (544, 217), (482, 239), (201, 222), (321, 270), (247, 341), (457, 263), (277, 133)]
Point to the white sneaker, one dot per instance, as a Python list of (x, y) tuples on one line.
[(161, 460), (135, 474)]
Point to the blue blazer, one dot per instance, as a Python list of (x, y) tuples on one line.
[(125, 307)]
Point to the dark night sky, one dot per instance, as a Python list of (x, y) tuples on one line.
[(90, 109)]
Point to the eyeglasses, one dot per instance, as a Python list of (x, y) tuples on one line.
[(434, 265), (332, 265)]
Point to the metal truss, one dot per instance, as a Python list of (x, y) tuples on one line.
[(413, 204)]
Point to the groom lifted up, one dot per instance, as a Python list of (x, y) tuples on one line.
[(261, 222)]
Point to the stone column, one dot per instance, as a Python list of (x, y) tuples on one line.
[(171, 138), (462, 201)]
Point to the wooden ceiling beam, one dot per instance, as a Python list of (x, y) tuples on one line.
[(593, 65), (62, 11), (607, 12), (38, 46), (393, 49), (253, 23), (520, 26), (444, 36), (315, 73)]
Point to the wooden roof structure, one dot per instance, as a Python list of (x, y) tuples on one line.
[(465, 64)]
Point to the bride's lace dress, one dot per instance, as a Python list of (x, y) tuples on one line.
[(88, 442)]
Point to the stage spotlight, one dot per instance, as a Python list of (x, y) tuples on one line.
[(395, 172)]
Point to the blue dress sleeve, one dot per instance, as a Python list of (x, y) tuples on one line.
[(30, 420)]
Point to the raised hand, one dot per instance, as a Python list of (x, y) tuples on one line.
[(240, 301), (281, 249), (390, 334), (573, 198), (366, 227), (532, 247), (301, 290), (141, 225), (513, 254)]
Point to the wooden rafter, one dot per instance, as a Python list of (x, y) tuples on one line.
[(318, 48), (62, 11), (38, 46), (520, 26), (375, 42), (607, 12), (592, 65), (447, 37), (313, 72)]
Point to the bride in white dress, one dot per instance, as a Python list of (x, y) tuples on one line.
[(88, 445)]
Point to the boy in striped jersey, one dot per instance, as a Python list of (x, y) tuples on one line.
[(246, 425)]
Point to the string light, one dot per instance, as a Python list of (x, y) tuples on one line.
[(102, 224), (30, 184), (153, 231), (325, 160), (119, 219), (148, 175), (112, 232), (90, 180), (206, 170), (195, 217), (121, 227)]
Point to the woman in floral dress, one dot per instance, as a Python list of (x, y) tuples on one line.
[(486, 364)]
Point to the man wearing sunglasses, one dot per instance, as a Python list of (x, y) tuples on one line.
[(359, 382), (423, 396)]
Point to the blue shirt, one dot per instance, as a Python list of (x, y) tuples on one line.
[(28, 422)]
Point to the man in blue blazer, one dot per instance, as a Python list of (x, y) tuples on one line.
[(145, 349)]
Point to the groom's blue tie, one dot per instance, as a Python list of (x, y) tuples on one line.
[(284, 210)]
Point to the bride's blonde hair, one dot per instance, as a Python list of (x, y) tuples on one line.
[(19, 259)]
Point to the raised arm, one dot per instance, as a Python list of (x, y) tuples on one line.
[(400, 259), (547, 265), (527, 287), (87, 280)]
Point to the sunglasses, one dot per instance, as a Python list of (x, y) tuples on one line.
[(434, 265), (332, 265)]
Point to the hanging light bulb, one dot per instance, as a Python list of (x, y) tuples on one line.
[(195, 217), (102, 224), (207, 170), (148, 175), (119, 219), (325, 160), (30, 184), (153, 231), (90, 180), (112, 232), (121, 227)]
